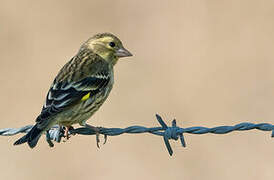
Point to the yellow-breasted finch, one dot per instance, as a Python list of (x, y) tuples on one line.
[(80, 87)]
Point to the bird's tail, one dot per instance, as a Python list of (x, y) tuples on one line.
[(31, 137)]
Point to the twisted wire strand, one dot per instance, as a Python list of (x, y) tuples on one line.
[(167, 132)]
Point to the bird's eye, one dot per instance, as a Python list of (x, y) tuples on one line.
[(112, 44)]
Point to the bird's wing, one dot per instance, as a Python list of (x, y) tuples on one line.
[(64, 94)]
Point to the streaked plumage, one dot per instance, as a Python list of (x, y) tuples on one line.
[(81, 86)]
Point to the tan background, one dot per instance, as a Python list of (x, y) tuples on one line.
[(207, 63)]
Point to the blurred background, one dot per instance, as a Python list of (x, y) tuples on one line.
[(205, 63)]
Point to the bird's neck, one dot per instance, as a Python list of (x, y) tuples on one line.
[(107, 56)]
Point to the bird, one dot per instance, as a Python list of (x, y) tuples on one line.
[(80, 88)]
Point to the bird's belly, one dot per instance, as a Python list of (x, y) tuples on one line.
[(82, 111)]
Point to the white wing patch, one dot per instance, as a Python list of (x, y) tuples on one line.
[(63, 103), (66, 87), (102, 76), (50, 96), (61, 97)]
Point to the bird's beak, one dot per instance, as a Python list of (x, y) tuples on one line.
[(122, 52)]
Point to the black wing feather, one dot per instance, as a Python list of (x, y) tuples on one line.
[(63, 94)]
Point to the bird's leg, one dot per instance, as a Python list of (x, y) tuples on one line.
[(66, 131), (97, 131)]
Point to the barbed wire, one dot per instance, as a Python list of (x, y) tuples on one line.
[(56, 133)]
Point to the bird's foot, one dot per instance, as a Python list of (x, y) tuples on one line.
[(97, 133), (66, 133)]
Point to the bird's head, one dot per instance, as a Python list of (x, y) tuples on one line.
[(108, 46)]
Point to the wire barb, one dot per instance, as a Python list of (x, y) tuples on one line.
[(171, 133), (56, 133)]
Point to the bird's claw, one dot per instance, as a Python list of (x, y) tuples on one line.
[(67, 135), (97, 130), (105, 137), (97, 133)]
